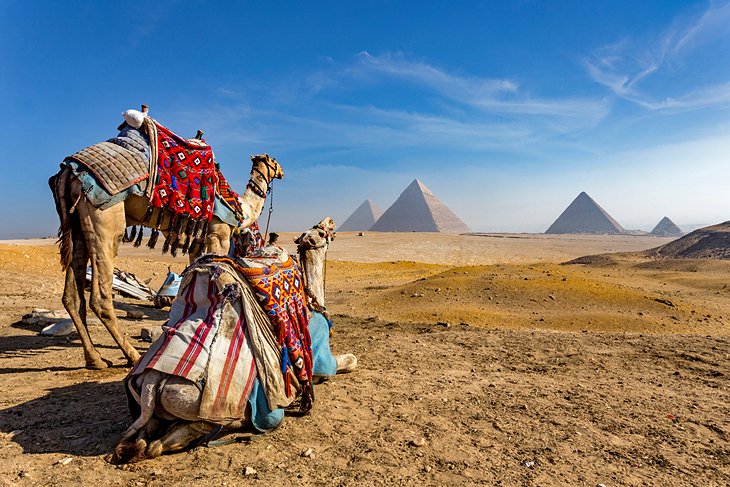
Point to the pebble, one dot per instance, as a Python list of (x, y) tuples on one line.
[(427, 468), (600, 485), (135, 314), (418, 442), (529, 464), (65, 461), (308, 452), (248, 471)]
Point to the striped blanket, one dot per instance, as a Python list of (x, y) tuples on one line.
[(219, 338)]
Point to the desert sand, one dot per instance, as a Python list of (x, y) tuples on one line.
[(483, 360)]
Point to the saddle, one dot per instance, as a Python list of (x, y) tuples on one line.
[(183, 181), (118, 163)]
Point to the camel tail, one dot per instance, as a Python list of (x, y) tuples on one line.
[(60, 187)]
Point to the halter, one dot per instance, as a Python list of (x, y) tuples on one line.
[(268, 177)]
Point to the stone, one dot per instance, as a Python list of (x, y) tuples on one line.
[(135, 314), (418, 442), (59, 329), (249, 471)]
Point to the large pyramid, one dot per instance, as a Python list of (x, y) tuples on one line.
[(363, 218), (584, 215), (667, 228), (418, 210)]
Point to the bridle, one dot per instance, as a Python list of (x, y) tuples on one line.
[(268, 177)]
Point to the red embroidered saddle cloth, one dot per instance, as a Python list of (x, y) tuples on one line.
[(186, 181)]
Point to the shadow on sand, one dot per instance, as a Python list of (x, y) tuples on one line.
[(83, 419)]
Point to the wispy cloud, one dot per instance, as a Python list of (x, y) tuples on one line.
[(487, 94), (646, 73)]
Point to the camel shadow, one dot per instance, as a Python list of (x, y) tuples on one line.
[(83, 419)]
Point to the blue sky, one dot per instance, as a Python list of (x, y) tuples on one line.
[(506, 110)]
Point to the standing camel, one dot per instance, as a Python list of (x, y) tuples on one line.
[(90, 234)]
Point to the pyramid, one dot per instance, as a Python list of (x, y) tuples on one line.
[(584, 215), (667, 228), (418, 210), (363, 218)]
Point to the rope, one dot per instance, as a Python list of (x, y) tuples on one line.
[(271, 210)]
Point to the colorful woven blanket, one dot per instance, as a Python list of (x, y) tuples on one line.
[(186, 180), (280, 292)]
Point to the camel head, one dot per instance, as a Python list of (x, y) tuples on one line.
[(267, 167), (318, 236)]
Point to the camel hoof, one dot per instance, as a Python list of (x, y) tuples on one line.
[(155, 449), (99, 364), (346, 363), (126, 452)]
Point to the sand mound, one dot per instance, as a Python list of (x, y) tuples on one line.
[(594, 260), (705, 243)]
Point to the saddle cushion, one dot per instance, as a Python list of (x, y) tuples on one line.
[(116, 168)]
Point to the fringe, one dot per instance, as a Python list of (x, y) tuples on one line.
[(153, 238), (147, 216), (138, 242), (133, 234)]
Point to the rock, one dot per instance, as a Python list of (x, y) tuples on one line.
[(443, 323), (551, 297), (150, 334), (43, 316), (529, 464), (65, 461), (249, 471), (600, 485), (418, 442), (135, 314), (427, 468), (59, 328), (308, 452)]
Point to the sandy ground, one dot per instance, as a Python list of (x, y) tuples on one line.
[(511, 368)]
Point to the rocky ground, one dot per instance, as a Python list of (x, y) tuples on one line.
[(506, 371)]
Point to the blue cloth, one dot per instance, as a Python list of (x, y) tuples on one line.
[(324, 364)]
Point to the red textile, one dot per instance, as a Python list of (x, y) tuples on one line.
[(186, 176)]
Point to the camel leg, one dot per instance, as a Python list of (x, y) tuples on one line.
[(179, 436), (74, 301), (103, 230), (218, 239)]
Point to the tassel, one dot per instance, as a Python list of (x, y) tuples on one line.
[(133, 233), (166, 245), (189, 227), (125, 238), (186, 245), (153, 238), (173, 247), (147, 216), (305, 406), (138, 241), (160, 216)]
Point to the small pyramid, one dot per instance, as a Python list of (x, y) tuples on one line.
[(667, 228), (363, 218), (418, 210), (584, 215)]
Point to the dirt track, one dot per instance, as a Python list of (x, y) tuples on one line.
[(533, 391)]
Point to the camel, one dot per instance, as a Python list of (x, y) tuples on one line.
[(89, 234), (169, 405)]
